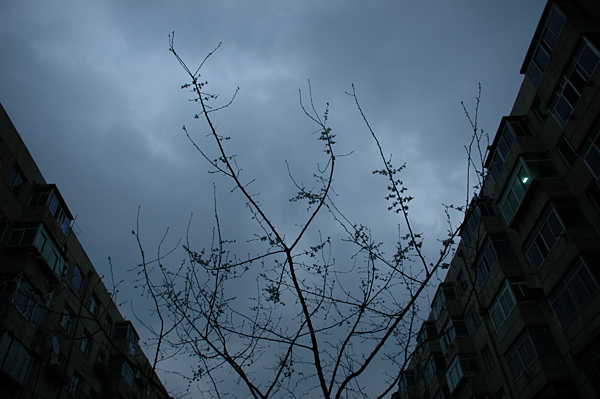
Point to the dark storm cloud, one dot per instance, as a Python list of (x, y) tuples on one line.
[(95, 94)]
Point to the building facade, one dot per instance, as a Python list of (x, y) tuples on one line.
[(518, 314), (61, 334)]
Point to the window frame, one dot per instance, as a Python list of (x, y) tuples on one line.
[(591, 150), (521, 356), (86, 342), (549, 31), (462, 365), (573, 82), (15, 358), (452, 328), (487, 258), (502, 306), (471, 225), (66, 321), (38, 237), (16, 181), (544, 236), (500, 154), (74, 385), (474, 319), (27, 302), (515, 191), (108, 324), (430, 369), (93, 305), (570, 296), (78, 279), (566, 151), (4, 223)]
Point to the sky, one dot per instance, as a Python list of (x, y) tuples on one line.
[(95, 94)]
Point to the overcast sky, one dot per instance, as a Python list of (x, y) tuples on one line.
[(95, 94)]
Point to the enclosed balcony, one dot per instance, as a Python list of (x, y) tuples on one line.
[(43, 248), (47, 203)]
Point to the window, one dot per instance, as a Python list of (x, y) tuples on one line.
[(434, 364), (574, 80), (108, 325), (77, 279), (427, 332), (544, 236), (461, 366), (444, 293), (430, 370), (519, 288), (407, 379), (74, 386), (14, 358), (121, 368), (148, 392), (50, 252), (515, 191), (28, 302), (22, 236), (592, 372), (591, 149), (488, 359), (451, 330), (573, 291), (3, 225), (442, 393), (495, 247), (500, 394), (545, 45), (521, 356), (478, 210), (502, 305), (539, 108), (85, 342), (15, 181), (66, 319), (448, 335), (566, 151), (473, 318), (48, 196), (93, 305), (463, 284), (102, 357), (593, 191), (125, 330), (38, 236), (470, 227), (501, 152), (485, 261)]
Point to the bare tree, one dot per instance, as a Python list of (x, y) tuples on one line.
[(312, 328)]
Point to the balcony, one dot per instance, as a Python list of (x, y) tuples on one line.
[(36, 238), (46, 201)]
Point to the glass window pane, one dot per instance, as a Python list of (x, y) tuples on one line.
[(555, 21), (28, 236), (593, 159), (542, 57), (587, 279), (503, 148), (534, 74), (563, 110), (549, 39), (588, 61), (580, 290)]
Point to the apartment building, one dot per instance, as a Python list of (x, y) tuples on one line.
[(518, 314), (61, 334)]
